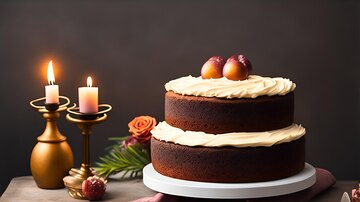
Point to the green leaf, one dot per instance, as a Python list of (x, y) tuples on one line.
[(130, 160)]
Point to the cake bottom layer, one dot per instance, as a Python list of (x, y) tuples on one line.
[(228, 164)]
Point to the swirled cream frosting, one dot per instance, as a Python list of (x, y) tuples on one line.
[(252, 87), (168, 133)]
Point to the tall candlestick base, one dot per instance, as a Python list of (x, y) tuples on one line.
[(51, 158), (84, 121)]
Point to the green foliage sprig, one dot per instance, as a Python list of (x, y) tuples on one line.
[(129, 159)]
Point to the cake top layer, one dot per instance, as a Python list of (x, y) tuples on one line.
[(252, 87), (168, 133)]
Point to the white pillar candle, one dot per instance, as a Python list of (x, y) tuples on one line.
[(51, 90), (88, 98)]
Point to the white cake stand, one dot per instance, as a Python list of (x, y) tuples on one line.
[(172, 186)]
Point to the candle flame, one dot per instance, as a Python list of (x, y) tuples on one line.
[(89, 81), (50, 74)]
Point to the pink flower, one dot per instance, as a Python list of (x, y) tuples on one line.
[(129, 141), (355, 196)]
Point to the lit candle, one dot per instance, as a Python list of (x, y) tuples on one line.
[(51, 90), (88, 98)]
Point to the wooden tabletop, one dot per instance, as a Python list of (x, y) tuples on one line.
[(24, 189)]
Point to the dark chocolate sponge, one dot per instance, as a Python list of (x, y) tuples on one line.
[(216, 116), (228, 164)]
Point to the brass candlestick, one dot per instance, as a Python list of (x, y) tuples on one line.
[(52, 158), (84, 121)]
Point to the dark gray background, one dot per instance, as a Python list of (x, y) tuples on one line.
[(132, 48)]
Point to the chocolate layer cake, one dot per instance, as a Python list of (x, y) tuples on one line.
[(218, 130)]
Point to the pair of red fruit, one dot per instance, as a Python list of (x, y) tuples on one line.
[(237, 67)]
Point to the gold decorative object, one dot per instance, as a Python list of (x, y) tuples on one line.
[(84, 121), (52, 158)]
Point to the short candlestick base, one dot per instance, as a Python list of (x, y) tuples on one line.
[(74, 181)]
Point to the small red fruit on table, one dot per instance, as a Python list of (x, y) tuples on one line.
[(94, 188)]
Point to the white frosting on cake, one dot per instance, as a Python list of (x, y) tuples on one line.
[(252, 87), (165, 132)]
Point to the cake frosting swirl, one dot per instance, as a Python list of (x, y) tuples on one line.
[(168, 133), (252, 87)]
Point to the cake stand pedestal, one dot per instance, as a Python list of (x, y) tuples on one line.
[(160, 183)]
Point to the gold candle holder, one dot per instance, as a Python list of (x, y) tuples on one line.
[(51, 158), (84, 121)]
